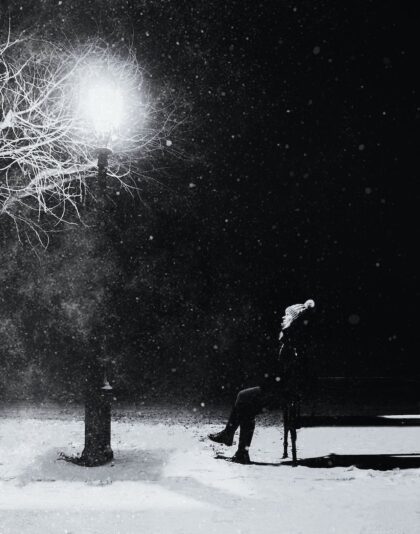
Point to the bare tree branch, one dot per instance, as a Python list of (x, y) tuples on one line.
[(48, 140)]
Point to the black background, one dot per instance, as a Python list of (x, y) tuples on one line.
[(299, 183)]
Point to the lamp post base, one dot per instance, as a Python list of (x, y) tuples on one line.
[(97, 450), (94, 458)]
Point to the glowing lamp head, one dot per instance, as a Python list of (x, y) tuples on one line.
[(104, 106)]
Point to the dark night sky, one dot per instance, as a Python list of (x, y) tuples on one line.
[(303, 130)]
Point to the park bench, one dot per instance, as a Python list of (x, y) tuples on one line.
[(293, 419)]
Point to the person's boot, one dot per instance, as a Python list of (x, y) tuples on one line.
[(225, 437), (241, 456)]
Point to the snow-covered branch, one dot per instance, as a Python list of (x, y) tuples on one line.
[(48, 140)]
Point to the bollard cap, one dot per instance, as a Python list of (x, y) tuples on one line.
[(107, 386)]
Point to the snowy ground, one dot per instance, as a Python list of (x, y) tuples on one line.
[(165, 480)]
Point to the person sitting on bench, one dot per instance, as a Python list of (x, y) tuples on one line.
[(251, 401)]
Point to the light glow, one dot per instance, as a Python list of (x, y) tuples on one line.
[(104, 106)]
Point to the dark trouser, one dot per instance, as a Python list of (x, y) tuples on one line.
[(249, 403)]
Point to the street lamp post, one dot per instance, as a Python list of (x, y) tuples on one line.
[(98, 391), (103, 106)]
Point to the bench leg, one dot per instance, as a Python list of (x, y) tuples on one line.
[(293, 439), (290, 421), (285, 432), (285, 444)]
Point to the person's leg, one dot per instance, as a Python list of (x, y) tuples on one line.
[(247, 428), (248, 403)]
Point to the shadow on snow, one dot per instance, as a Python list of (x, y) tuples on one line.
[(381, 462)]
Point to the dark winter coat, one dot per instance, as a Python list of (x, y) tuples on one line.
[(292, 376)]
